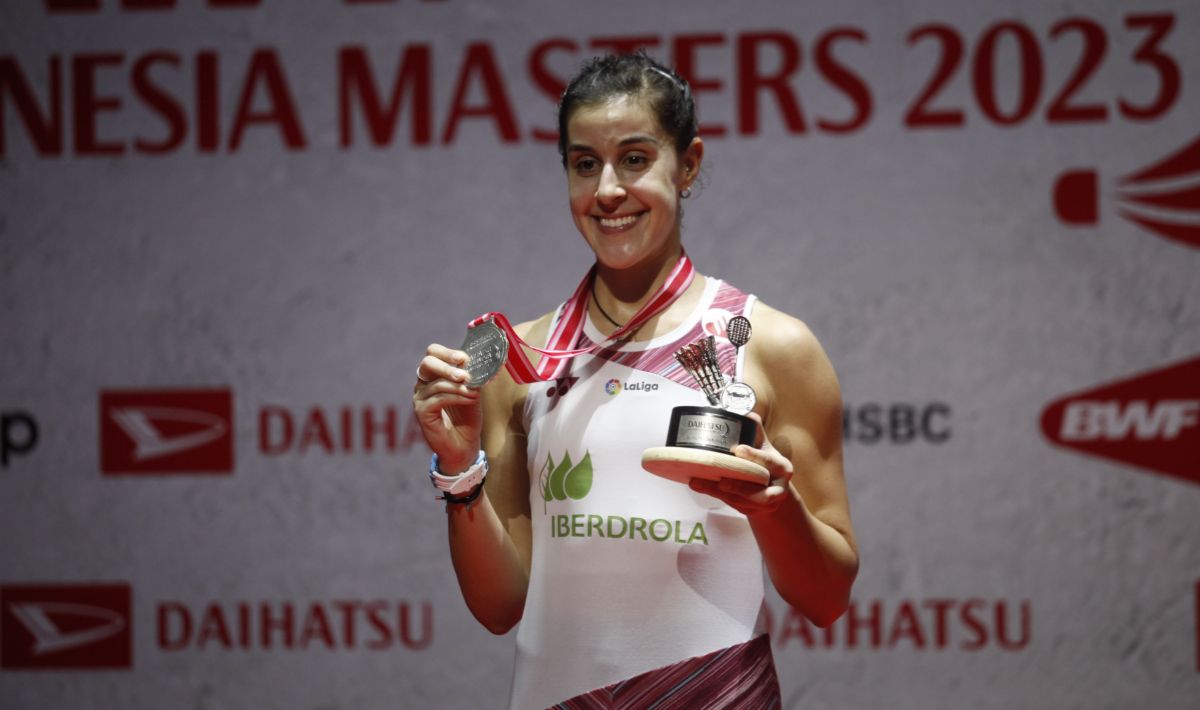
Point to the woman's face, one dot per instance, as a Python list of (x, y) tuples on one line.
[(624, 178)]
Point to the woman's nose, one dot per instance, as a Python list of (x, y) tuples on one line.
[(609, 192)]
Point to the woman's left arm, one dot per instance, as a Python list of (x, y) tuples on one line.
[(801, 520)]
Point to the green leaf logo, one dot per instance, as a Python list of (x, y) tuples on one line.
[(544, 478), (578, 481), (558, 476), (564, 480)]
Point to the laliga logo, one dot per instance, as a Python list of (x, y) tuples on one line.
[(1150, 420), (1163, 198), (613, 387)]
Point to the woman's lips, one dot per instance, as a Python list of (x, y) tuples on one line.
[(616, 224)]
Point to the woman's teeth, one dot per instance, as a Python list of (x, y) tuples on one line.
[(618, 222)]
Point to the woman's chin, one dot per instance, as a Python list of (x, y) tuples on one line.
[(619, 261), (627, 255)]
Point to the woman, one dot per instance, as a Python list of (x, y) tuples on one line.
[(626, 584)]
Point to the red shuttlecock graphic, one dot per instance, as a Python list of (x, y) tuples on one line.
[(1163, 198)]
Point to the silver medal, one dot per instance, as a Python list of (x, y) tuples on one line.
[(487, 348)]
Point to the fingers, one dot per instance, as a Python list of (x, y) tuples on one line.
[(746, 498), (441, 382), (448, 415), (451, 355), (441, 364), (760, 431), (431, 398), (779, 468), (442, 394)]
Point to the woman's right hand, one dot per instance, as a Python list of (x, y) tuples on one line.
[(448, 411)]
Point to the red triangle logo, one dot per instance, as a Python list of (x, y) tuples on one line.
[(1150, 420)]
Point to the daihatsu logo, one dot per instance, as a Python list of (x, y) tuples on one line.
[(166, 431), (39, 619), (66, 626)]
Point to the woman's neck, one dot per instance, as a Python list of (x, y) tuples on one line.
[(618, 294)]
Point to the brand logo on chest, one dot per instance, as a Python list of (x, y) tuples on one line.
[(614, 387)]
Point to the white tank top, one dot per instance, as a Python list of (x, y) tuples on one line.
[(630, 572)]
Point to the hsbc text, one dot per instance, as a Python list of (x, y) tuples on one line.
[(896, 423)]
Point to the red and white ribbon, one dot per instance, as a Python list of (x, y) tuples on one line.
[(557, 352)]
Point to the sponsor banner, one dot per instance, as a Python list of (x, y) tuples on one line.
[(1163, 197), (190, 431), (959, 200), (927, 624), (896, 423), (166, 431), (373, 100), (66, 626), (335, 625), (1150, 420), (18, 435), (89, 626), (345, 429)]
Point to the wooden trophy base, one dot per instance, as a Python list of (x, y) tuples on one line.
[(682, 464)]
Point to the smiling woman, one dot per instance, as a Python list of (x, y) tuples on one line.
[(669, 606), (625, 186)]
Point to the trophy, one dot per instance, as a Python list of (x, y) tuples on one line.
[(699, 439)]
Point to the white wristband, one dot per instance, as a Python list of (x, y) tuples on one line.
[(463, 482)]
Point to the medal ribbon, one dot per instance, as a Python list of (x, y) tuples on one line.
[(557, 352)]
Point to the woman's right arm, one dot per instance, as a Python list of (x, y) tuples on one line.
[(490, 540)]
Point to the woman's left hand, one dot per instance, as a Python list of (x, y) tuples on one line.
[(751, 498)]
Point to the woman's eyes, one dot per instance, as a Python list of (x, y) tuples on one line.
[(590, 166)]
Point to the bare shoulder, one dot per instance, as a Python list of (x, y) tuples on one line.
[(784, 342), (789, 360), (779, 335)]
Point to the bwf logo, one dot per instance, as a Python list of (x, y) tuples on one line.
[(1139, 420), (166, 431), (66, 626), (1163, 197), (1151, 420)]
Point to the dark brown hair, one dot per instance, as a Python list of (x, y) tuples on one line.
[(603, 78)]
